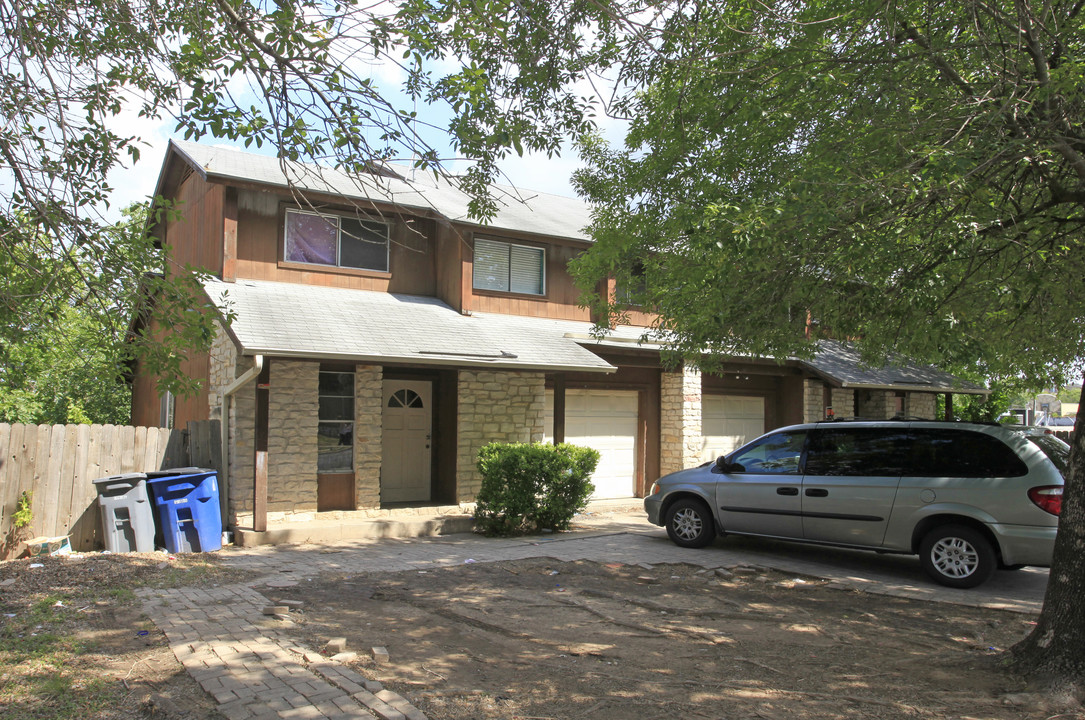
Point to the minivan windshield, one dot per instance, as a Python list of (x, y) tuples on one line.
[(1056, 450)]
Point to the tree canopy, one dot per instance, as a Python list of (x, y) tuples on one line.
[(911, 174), (301, 77)]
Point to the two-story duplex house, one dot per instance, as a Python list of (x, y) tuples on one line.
[(379, 338)]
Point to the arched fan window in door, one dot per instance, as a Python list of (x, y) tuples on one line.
[(405, 398)]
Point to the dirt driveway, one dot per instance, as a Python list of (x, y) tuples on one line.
[(542, 639)]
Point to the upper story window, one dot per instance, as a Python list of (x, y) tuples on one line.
[(630, 291), (506, 267), (336, 240)]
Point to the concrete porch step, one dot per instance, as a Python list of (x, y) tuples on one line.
[(326, 531), (318, 530)]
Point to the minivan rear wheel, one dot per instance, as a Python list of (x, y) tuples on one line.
[(957, 556), (689, 523)]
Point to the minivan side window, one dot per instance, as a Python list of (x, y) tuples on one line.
[(1057, 451), (776, 454), (938, 452), (853, 451)]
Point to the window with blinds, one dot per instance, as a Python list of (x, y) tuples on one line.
[(505, 267)]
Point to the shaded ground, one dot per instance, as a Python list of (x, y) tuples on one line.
[(535, 639), (545, 639)]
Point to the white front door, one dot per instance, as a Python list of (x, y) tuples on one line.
[(406, 441), (607, 421), (728, 422)]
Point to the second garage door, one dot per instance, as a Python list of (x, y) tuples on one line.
[(728, 422), (607, 421)]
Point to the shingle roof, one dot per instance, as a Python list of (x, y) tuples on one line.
[(842, 364), (290, 320), (517, 209)]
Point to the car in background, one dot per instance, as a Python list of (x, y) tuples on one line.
[(968, 498)]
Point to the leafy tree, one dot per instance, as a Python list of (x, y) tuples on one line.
[(907, 172), (297, 75), (66, 363)]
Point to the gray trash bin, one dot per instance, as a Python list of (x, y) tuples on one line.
[(127, 513)]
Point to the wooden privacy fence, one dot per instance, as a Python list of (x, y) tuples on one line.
[(58, 464)]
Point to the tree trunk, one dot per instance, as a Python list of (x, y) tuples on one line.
[(1054, 652)]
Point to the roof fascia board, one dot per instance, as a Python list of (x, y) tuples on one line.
[(915, 388), (445, 361)]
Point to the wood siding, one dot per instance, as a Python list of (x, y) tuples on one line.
[(146, 400), (561, 299), (195, 235), (412, 259)]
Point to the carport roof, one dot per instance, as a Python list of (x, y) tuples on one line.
[(841, 364), (304, 321)]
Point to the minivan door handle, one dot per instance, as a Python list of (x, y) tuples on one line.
[(817, 492), (787, 491)]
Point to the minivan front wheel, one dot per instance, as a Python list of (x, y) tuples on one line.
[(957, 556), (689, 523)]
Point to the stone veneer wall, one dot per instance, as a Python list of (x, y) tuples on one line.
[(924, 405), (877, 404), (224, 367), (368, 409), (293, 415), (680, 420), (495, 406), (843, 401), (222, 370)]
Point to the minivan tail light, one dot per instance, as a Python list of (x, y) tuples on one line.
[(1048, 498)]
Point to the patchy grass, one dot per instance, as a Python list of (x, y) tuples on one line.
[(73, 641)]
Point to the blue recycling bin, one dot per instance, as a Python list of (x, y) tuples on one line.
[(188, 508)]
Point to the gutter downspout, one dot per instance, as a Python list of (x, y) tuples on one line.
[(224, 428)]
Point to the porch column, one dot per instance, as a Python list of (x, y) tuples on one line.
[(259, 463), (680, 422)]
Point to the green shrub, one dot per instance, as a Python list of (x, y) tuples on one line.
[(536, 486)]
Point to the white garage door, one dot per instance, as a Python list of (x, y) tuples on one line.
[(607, 421), (729, 421)]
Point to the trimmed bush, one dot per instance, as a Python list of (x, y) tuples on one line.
[(532, 486)]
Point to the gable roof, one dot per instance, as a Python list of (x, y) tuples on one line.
[(517, 209)]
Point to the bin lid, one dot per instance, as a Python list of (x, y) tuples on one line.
[(169, 472), (132, 477), (172, 473)]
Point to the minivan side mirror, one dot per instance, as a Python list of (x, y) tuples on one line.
[(722, 466)]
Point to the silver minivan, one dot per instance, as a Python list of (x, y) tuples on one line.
[(967, 498)]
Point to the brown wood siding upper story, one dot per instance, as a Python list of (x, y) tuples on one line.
[(195, 236), (146, 401), (411, 261), (561, 298), (451, 249)]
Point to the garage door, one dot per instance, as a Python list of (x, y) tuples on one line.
[(607, 421), (729, 421)]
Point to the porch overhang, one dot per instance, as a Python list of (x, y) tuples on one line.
[(344, 325)]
